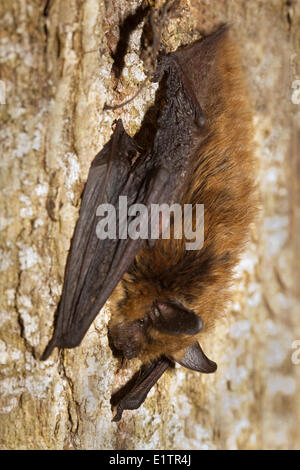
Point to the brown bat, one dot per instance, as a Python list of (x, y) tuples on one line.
[(165, 298)]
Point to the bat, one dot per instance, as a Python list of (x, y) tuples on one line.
[(165, 298)]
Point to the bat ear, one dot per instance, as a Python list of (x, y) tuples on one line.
[(194, 358), (173, 318)]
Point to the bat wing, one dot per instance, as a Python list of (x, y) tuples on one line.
[(95, 266)]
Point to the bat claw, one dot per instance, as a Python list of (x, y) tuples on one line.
[(118, 414), (140, 387), (51, 345)]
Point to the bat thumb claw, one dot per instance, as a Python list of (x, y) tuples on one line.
[(118, 414), (49, 349)]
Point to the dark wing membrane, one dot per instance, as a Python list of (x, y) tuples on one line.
[(90, 258), (95, 266)]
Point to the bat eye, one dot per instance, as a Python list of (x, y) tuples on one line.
[(143, 322)]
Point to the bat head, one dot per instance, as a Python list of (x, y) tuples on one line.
[(168, 317), (165, 334), (167, 328)]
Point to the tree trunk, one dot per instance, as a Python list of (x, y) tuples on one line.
[(55, 66)]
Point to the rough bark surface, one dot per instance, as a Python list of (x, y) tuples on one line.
[(55, 63)]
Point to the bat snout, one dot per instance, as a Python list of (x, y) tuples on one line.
[(128, 338)]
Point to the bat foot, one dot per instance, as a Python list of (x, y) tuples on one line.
[(118, 415), (134, 393)]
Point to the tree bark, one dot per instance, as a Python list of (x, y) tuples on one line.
[(55, 63)]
